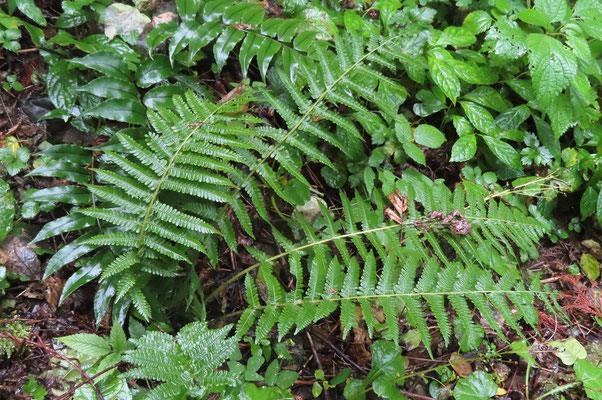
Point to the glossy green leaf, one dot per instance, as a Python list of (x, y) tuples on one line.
[(444, 76), (248, 50), (30, 10), (87, 273), (60, 87), (456, 36), (67, 254), (569, 350), (63, 169), (66, 194), (479, 117), (554, 10), (161, 96), (429, 136), (112, 88), (187, 9), (591, 377), (534, 17), (70, 153), (414, 152), (123, 110), (154, 70), (503, 151), (267, 50), (477, 21), (589, 202), (478, 386), (68, 223), (464, 149), (599, 208), (489, 97), (224, 45), (160, 34), (7, 209), (590, 266), (108, 63)]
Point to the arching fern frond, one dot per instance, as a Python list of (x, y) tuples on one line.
[(169, 196), (443, 261)]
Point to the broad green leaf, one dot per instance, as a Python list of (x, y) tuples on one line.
[(182, 37), (30, 10), (569, 350), (70, 153), (552, 65), (106, 62), (61, 86), (248, 50), (123, 110), (102, 300), (590, 266), (488, 97), (7, 209), (479, 117), (589, 202), (462, 125), (414, 152), (63, 169), (477, 21), (444, 76), (161, 96), (154, 70), (267, 50), (591, 377), (512, 118), (403, 130), (87, 344), (66, 194), (478, 386), (505, 152), (464, 149), (554, 10), (68, 223), (429, 136), (534, 17), (187, 9), (599, 208), (67, 254), (87, 273), (112, 88), (224, 45), (456, 36), (159, 34)]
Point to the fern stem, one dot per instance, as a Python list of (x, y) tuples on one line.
[(172, 160), (294, 250), (306, 115)]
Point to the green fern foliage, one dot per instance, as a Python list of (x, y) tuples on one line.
[(456, 251), (162, 199), (187, 363)]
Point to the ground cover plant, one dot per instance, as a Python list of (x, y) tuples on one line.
[(271, 200)]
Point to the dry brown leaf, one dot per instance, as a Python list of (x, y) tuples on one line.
[(19, 258), (460, 365)]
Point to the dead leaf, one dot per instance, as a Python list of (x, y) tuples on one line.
[(232, 94), (19, 257), (460, 365), (53, 287)]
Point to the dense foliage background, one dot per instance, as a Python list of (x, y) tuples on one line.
[(242, 199)]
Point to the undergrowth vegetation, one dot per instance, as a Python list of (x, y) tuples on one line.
[(259, 168)]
